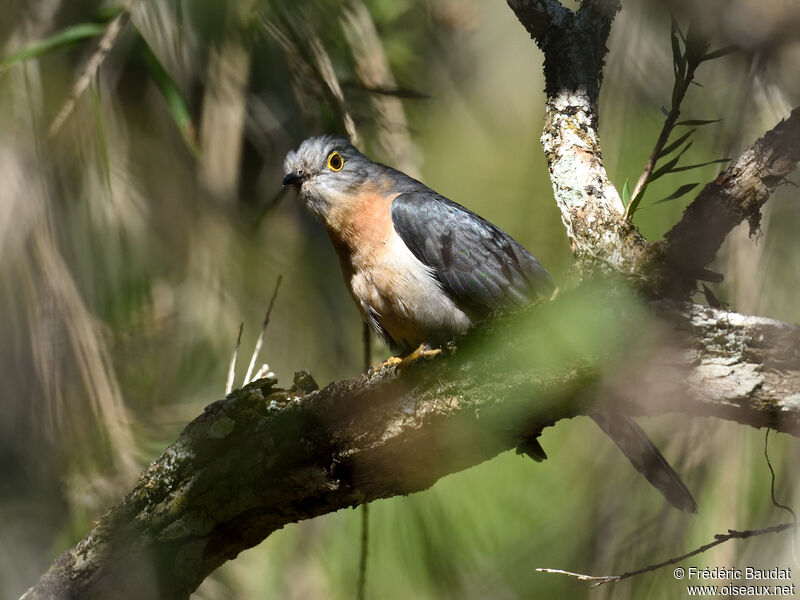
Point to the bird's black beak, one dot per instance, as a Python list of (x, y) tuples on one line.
[(295, 178)]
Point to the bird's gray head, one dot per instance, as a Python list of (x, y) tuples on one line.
[(326, 170)]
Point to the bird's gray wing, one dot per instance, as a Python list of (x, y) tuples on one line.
[(479, 265)]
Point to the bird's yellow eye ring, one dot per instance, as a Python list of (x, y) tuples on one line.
[(335, 161)]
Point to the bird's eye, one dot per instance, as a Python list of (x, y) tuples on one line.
[(335, 161)]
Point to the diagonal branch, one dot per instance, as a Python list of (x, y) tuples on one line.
[(107, 42), (735, 196), (305, 51), (265, 457), (374, 73)]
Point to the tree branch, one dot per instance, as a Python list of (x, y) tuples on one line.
[(265, 457), (719, 538), (591, 210), (539, 16), (574, 47), (722, 364), (736, 195)]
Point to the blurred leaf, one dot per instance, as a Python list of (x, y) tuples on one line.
[(178, 107), (696, 46), (63, 38), (719, 53), (675, 144), (712, 300), (678, 60), (103, 154), (626, 194), (107, 13), (677, 28), (681, 191), (697, 122), (396, 92), (697, 166)]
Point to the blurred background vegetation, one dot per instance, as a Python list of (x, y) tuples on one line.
[(143, 221)]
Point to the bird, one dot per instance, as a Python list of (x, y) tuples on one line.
[(424, 269)]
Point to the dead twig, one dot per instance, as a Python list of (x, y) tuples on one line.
[(260, 340), (719, 538), (89, 71), (373, 72), (232, 367)]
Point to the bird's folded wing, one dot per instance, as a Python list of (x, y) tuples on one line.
[(479, 265)]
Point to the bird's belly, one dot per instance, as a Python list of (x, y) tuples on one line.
[(402, 295)]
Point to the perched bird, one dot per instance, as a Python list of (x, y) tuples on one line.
[(424, 269)]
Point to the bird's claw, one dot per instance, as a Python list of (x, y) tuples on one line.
[(394, 361), (422, 352), (391, 361)]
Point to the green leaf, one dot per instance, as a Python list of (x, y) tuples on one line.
[(697, 122), (626, 194), (634, 203), (696, 46), (667, 167), (107, 13), (63, 38), (681, 191), (719, 53), (698, 165), (675, 144), (664, 169), (178, 107)]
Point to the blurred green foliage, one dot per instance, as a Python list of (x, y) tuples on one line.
[(130, 257)]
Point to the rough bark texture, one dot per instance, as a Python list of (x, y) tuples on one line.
[(265, 457), (741, 368), (735, 196), (574, 47)]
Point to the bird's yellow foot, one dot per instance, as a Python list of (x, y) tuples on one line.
[(392, 360), (424, 351)]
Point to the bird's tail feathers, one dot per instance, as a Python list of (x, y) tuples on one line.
[(646, 458)]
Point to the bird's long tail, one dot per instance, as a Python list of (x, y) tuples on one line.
[(646, 458)]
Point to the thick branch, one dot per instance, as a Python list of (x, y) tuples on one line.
[(736, 195), (726, 365), (574, 47), (264, 457)]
